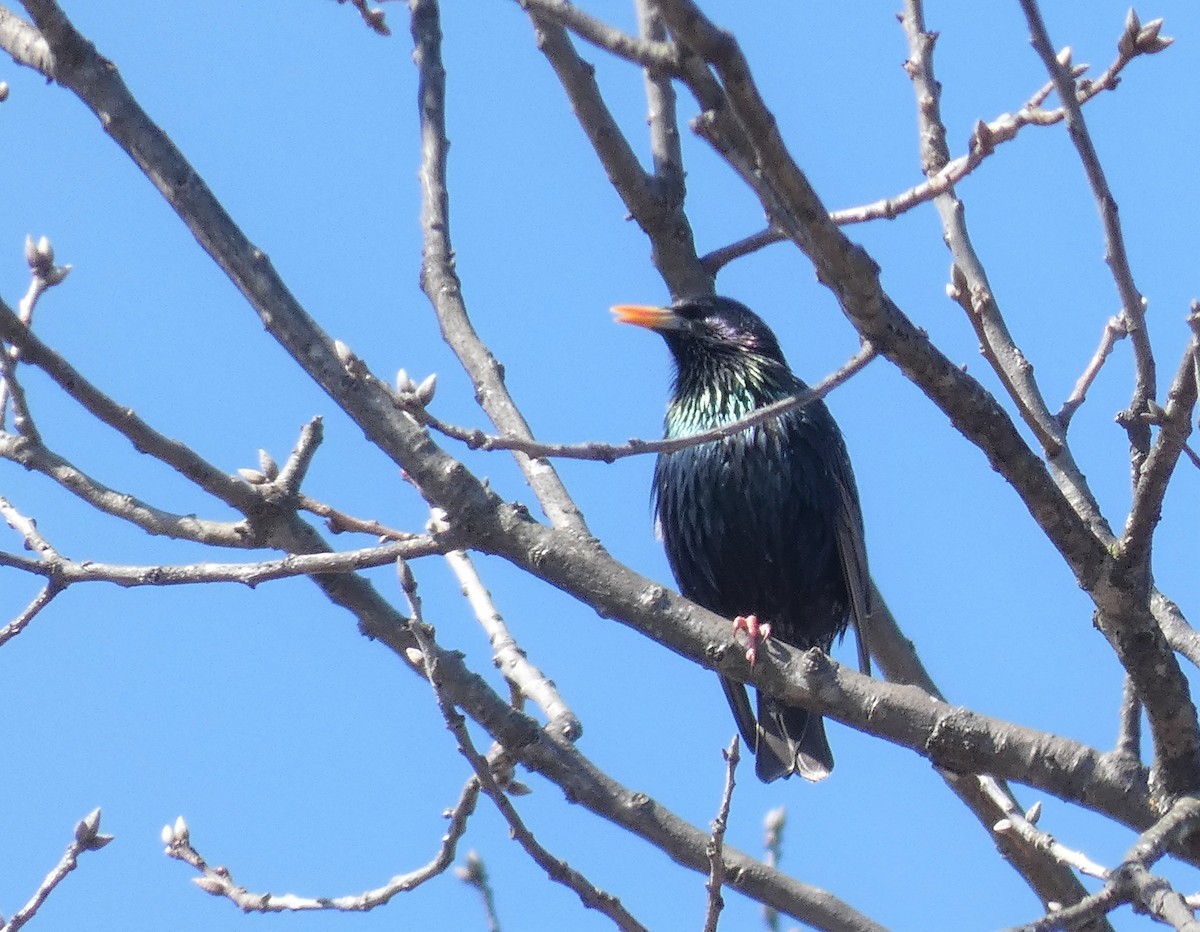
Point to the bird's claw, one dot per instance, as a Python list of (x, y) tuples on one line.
[(756, 633)]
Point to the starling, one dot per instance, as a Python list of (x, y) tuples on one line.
[(763, 526)]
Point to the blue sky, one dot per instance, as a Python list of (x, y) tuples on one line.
[(304, 757)]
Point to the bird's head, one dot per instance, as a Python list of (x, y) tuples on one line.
[(710, 336)]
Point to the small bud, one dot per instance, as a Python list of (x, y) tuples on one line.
[(427, 388), (415, 657), (253, 476), (167, 835), (31, 255), (268, 465), (404, 382), (1148, 41), (473, 872), (1034, 813), (99, 841), (209, 885), (343, 352), (1004, 825), (89, 825), (3, 91), (1133, 25), (982, 138), (181, 830), (1127, 44), (408, 582), (55, 274), (517, 788), (775, 819), (1064, 57)]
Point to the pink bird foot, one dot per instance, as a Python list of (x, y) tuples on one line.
[(756, 633)]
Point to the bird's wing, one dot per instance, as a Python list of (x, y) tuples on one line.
[(852, 551)]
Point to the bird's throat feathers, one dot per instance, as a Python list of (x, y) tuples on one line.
[(719, 388)]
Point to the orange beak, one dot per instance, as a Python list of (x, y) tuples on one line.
[(646, 315)]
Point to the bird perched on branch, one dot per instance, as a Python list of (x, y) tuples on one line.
[(762, 526)]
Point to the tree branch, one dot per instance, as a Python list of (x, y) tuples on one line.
[(440, 280), (219, 881), (87, 838), (557, 870)]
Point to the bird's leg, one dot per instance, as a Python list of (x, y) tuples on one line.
[(756, 633)]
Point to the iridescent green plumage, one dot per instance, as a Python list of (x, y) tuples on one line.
[(765, 522)]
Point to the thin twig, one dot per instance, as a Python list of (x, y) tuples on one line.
[(219, 881), (475, 875), (608, 452), (651, 51), (27, 528), (1114, 329), (374, 17), (11, 391), (716, 845), (557, 870), (40, 601), (1134, 41), (1024, 824), (773, 825), (339, 522), (656, 208), (1129, 732), (440, 280), (985, 139), (87, 838), (1132, 882), (510, 659), (969, 284), (65, 572), (45, 275), (1174, 427)]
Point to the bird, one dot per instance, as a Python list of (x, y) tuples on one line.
[(763, 526)]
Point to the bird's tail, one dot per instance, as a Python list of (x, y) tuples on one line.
[(790, 740)]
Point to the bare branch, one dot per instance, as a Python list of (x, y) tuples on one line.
[(374, 17), (1114, 329), (1129, 733), (40, 601), (32, 455), (219, 881), (969, 282), (27, 528), (658, 211), (716, 845), (87, 838), (65, 572), (665, 147), (510, 660), (475, 875), (440, 280), (608, 452), (1175, 426), (1132, 302), (773, 824), (1132, 882), (339, 522), (25, 44), (557, 870), (651, 51), (143, 437), (984, 141)]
